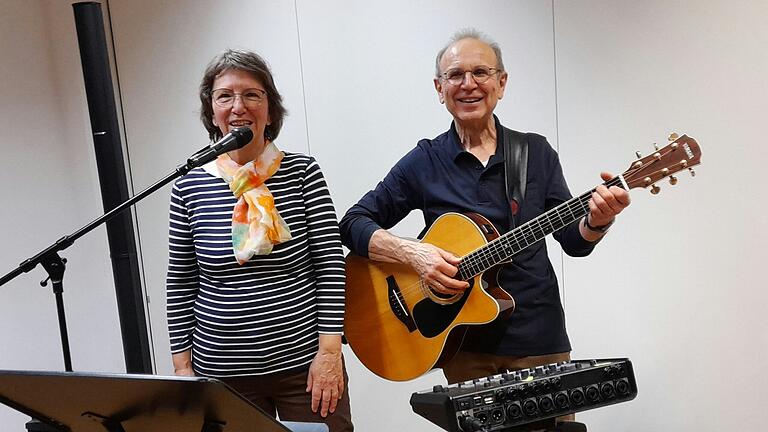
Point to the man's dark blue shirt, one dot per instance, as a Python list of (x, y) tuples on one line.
[(439, 176)]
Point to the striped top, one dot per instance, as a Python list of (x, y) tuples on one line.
[(264, 316)]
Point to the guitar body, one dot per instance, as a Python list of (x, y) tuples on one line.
[(397, 327)]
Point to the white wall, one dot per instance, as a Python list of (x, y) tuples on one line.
[(686, 295), (51, 189), (675, 286)]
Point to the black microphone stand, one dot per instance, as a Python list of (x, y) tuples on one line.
[(55, 265)]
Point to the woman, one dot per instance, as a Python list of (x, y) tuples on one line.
[(256, 272)]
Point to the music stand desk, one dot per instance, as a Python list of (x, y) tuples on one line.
[(92, 402)]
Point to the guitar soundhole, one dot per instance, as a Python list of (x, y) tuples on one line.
[(442, 298), (441, 295)]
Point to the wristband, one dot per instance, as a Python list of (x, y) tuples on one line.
[(601, 229)]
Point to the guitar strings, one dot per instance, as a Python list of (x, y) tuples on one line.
[(478, 260), (501, 248), (504, 247)]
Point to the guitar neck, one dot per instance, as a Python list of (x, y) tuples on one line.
[(505, 247)]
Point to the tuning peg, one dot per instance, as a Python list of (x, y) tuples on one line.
[(638, 154), (673, 136), (693, 173), (672, 180), (656, 146), (655, 189)]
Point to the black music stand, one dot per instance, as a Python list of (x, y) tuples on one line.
[(90, 402)]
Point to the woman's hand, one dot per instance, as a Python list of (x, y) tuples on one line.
[(182, 364), (326, 375)]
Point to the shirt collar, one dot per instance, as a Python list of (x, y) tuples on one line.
[(212, 169), (455, 148)]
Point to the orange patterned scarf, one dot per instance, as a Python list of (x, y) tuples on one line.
[(256, 224)]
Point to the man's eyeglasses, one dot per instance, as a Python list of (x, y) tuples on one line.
[(225, 98), (480, 74)]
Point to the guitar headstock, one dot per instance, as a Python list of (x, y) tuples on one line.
[(680, 154)]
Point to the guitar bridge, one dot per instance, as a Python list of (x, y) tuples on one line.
[(397, 304)]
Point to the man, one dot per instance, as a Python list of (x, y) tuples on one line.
[(463, 170)]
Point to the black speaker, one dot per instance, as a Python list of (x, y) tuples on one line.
[(114, 186)]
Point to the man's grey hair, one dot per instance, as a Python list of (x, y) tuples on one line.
[(470, 33)]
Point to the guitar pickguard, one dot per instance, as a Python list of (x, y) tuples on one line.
[(433, 318)]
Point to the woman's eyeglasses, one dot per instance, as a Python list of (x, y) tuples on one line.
[(225, 98)]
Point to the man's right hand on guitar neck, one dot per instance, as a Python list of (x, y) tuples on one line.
[(435, 266)]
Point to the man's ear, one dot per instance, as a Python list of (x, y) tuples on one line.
[(439, 88), (502, 84)]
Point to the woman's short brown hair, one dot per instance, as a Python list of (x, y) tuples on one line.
[(255, 65)]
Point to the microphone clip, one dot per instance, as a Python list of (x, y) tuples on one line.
[(236, 138)]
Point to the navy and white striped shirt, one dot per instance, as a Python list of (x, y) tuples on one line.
[(264, 316)]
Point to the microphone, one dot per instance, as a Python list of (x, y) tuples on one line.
[(235, 139)]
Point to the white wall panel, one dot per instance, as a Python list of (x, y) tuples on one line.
[(676, 285), (50, 189), (368, 74)]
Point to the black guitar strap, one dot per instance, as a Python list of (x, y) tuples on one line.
[(515, 170)]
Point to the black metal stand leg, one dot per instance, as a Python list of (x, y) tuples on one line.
[(55, 266), (58, 291)]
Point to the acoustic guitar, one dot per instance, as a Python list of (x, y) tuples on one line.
[(400, 328)]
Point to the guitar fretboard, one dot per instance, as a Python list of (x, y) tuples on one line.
[(527, 234)]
